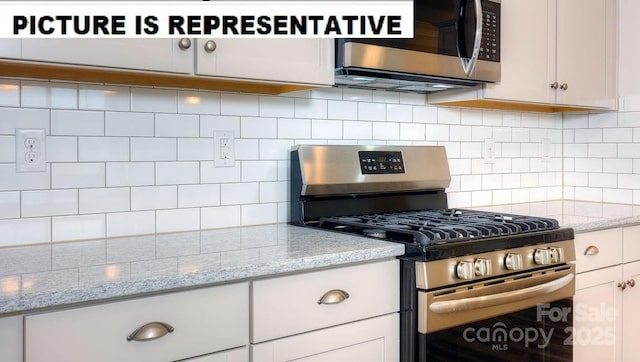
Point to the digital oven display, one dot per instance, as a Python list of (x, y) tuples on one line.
[(381, 162)]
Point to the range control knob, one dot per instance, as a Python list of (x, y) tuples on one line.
[(513, 261), (464, 270), (542, 256), (557, 255), (482, 267)]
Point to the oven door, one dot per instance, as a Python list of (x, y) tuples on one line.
[(522, 317), (452, 38)]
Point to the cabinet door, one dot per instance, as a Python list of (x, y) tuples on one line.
[(144, 54), (586, 46), (631, 312), (527, 52), (371, 340), (279, 60), (232, 355), (10, 48), (11, 339), (597, 320)]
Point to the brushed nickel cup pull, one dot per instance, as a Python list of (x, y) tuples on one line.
[(210, 46), (184, 43), (334, 296), (554, 85), (631, 283), (592, 250), (564, 86), (150, 331)]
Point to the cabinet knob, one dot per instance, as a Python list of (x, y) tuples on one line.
[(631, 283), (150, 331), (554, 85), (564, 86), (622, 285), (184, 43), (334, 296), (210, 46), (592, 250)]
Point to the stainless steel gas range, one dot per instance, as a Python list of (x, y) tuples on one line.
[(475, 285)]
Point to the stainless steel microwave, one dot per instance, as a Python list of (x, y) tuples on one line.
[(456, 44)]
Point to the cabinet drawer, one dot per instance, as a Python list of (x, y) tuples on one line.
[(204, 321), (598, 249), (631, 243), (288, 305)]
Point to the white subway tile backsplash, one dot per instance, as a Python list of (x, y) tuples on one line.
[(588, 165), (588, 135), (382, 96), (198, 195), (9, 205), (195, 149), (481, 198), (79, 227), (470, 182), (491, 118), (12, 118), (9, 93), (153, 149), (220, 217), (77, 175), (325, 129), (193, 102), (131, 223), (617, 135), (425, 114), (617, 165), (259, 171), (239, 105), (575, 150), (399, 113), (344, 110), (99, 200), (61, 149), (77, 123), (154, 197), (240, 193), (603, 180), (617, 196), (479, 134), (7, 149), (49, 203), (129, 124), (258, 127), (357, 130), (103, 97), (10, 180), (177, 173), (93, 149), (326, 93), (211, 174), (177, 220), (273, 191), (386, 131), (353, 94), (177, 125), (154, 100), (271, 106), (247, 149), (310, 108), (471, 150), (626, 181), (210, 124), (588, 194), (416, 99), (130, 174), (449, 115), (294, 128), (25, 231), (603, 150), (49, 95), (459, 133), (603, 120), (530, 120), (275, 149), (259, 214), (412, 132), (631, 150), (437, 132)]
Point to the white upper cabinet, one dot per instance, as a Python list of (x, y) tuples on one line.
[(283, 60), (629, 77), (164, 55), (556, 54)]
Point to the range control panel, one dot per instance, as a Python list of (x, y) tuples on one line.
[(381, 162)]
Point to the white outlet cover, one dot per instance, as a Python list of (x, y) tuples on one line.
[(224, 154), (31, 152)]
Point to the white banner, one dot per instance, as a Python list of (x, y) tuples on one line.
[(229, 19)]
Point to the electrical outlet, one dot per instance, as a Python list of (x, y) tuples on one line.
[(223, 149), (546, 150), (489, 150), (31, 150)]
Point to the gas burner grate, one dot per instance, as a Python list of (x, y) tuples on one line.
[(428, 227)]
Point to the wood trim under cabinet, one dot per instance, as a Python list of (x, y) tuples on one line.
[(514, 106), (133, 77)]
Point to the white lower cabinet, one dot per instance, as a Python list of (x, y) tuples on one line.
[(200, 322), (606, 313), (235, 355), (11, 339), (370, 340), (344, 314)]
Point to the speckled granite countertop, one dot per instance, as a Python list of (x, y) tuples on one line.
[(42, 276), (582, 216)]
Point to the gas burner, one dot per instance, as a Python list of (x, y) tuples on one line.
[(375, 233)]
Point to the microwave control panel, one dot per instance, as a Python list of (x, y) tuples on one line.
[(490, 44), (381, 162)]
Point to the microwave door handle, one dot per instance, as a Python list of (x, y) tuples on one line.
[(469, 65)]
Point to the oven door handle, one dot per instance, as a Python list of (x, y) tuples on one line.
[(500, 298)]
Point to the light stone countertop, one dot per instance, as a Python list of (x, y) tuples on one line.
[(582, 216), (61, 274)]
